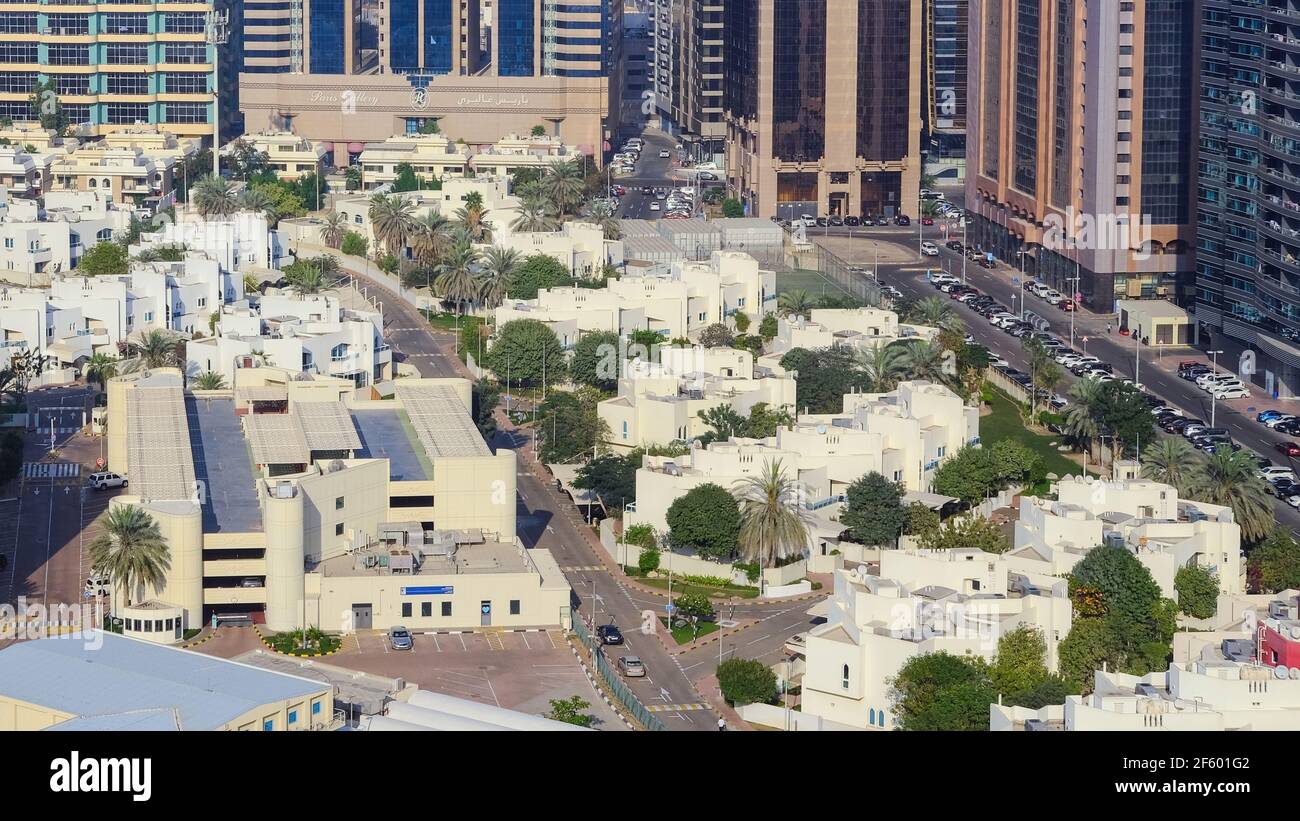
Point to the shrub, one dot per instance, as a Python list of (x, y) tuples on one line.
[(649, 562), (746, 681)]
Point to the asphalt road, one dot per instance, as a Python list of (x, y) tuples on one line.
[(652, 170), (1155, 371), (548, 520)]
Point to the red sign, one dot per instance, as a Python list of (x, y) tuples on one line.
[(99, 463)]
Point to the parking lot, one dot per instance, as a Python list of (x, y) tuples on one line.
[(517, 670)]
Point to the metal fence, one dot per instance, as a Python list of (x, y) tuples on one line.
[(625, 696), (857, 281)]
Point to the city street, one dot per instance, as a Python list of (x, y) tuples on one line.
[(1156, 371)]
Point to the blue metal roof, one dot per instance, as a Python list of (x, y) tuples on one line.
[(125, 675)]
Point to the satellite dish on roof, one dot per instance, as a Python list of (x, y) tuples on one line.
[(821, 428), (1293, 673), (1280, 672)]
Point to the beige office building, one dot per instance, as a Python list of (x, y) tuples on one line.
[(823, 103), (299, 500)]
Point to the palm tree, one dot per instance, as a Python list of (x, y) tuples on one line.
[(1171, 461), (562, 183), (603, 216), (214, 197), (772, 524), (432, 237), (100, 368), (131, 552), (797, 301), (927, 361), (1081, 423), (456, 281), (156, 349), (209, 381), (884, 365), (251, 284), (393, 221), (933, 311), (472, 219), (335, 226), (256, 200), (499, 266), (328, 265), (1228, 478), (305, 278), (534, 215)]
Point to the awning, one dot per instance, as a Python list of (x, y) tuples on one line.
[(263, 393), (931, 500)]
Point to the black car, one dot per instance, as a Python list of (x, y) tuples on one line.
[(1192, 374), (821, 222), (882, 220), (902, 219), (836, 221), (954, 245), (852, 220), (1290, 428), (609, 634)]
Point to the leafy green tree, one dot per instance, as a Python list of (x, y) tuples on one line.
[(741, 321), (717, 335), (611, 477), (596, 361), (824, 377), (1140, 623), (725, 422), (968, 476), (874, 513), (940, 691), (693, 606), (732, 208), (649, 560), (642, 342), (486, 396), (104, 259), (1089, 645), (406, 179), (528, 350), (569, 711), (354, 244), (1021, 661), (1274, 565), (539, 131), (746, 681), (769, 327), (641, 535), (1198, 591), (920, 520), (569, 427), (537, 272), (1013, 462), (46, 108), (1126, 416), (967, 531), (764, 421), (706, 519)]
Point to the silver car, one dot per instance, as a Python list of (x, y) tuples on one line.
[(399, 638), (631, 667)]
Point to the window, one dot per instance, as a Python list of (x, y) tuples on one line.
[(514, 607), (187, 113), (426, 609), (293, 716), (186, 83), (120, 23), (183, 22), (128, 84), (315, 708), (17, 82), (67, 54), (338, 529), (844, 677), (17, 52), (446, 608), (406, 609), (185, 53), (339, 352), (128, 54), (127, 113), (268, 725)]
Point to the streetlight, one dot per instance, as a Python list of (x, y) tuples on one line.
[(1074, 290), (1214, 358)]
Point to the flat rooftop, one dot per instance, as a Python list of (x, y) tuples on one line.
[(223, 463), (485, 557), (158, 441), (124, 676), (441, 421), (387, 434)]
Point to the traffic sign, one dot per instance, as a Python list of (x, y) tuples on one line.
[(668, 607), (99, 463)]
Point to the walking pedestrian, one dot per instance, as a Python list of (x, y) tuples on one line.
[(722, 725), (1107, 327)]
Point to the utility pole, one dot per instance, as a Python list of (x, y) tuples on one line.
[(1214, 358)]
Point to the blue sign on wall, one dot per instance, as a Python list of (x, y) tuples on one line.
[(437, 590)]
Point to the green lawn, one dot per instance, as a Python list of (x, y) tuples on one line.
[(684, 635), (1004, 423), (681, 587), (804, 279), (443, 321)]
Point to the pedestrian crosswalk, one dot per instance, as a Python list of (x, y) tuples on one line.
[(675, 708), (581, 568), (51, 470)]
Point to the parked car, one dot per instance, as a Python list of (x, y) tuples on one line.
[(1291, 449), (105, 479), (664, 154), (251, 581), (609, 634), (1274, 472), (631, 667), (399, 638), (927, 220), (1231, 393), (852, 220), (953, 245), (902, 219), (835, 220)]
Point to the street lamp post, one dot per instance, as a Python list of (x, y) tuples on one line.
[(1074, 289), (1214, 359)]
